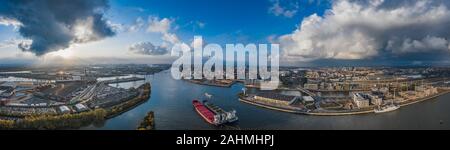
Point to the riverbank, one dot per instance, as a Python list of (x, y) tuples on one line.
[(270, 107), (217, 83), (291, 109), (51, 122), (148, 123), (443, 92), (144, 95)]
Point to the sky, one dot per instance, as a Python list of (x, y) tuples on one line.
[(310, 32)]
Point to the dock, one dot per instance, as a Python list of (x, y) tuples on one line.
[(122, 80)]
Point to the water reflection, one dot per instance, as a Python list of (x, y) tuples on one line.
[(171, 102)]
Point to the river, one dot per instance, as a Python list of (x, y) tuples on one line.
[(171, 100)]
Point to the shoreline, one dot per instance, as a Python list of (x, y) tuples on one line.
[(211, 84), (312, 113), (132, 103), (241, 99), (426, 98)]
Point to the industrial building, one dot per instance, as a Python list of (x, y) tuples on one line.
[(364, 100), (360, 100)]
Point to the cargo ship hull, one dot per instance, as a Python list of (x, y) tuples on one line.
[(204, 112)]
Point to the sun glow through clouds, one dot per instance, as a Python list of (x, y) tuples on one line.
[(62, 53)]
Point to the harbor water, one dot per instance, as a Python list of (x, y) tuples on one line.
[(171, 101)]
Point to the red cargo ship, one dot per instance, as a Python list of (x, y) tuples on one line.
[(207, 114)]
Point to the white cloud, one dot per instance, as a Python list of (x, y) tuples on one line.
[(84, 30), (139, 9), (197, 42), (14, 42), (365, 29), (116, 27), (147, 48), (159, 25), (137, 25), (8, 43), (162, 26), (171, 38), (9, 22), (287, 10), (200, 24)]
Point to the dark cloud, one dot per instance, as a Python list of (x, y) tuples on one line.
[(147, 48), (56, 24)]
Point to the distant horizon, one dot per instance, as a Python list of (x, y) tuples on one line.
[(282, 66), (310, 33)]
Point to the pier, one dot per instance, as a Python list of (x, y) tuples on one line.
[(122, 80)]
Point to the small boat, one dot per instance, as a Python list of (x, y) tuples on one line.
[(387, 108), (208, 95)]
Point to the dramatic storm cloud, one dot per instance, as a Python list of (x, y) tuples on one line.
[(371, 28), (53, 25), (147, 48)]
